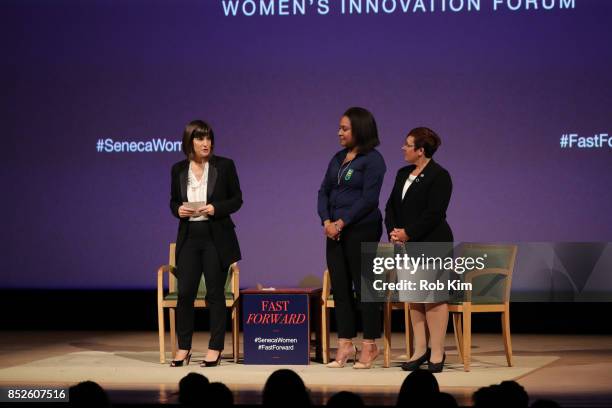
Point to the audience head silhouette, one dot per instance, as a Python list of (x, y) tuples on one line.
[(445, 400), (283, 386), (420, 388), (544, 403), (218, 395), (345, 399), (506, 394), (88, 394), (192, 389)]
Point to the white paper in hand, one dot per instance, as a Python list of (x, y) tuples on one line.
[(195, 205)]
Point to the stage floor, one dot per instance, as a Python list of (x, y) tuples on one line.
[(574, 370)]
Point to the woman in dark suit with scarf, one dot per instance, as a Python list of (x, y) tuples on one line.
[(206, 242), (416, 212)]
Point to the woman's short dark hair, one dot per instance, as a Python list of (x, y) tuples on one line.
[(196, 129), (364, 130), (425, 138)]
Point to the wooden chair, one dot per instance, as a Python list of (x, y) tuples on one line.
[(327, 302), (409, 337), (168, 300), (497, 277)]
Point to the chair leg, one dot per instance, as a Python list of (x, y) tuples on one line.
[(506, 334), (173, 330), (325, 333), (388, 307), (409, 333), (458, 329), (317, 333), (467, 337), (162, 334), (236, 330)]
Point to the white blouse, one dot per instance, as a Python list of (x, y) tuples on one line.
[(196, 189), (407, 184)]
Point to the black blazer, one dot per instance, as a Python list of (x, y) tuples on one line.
[(422, 212), (223, 193)]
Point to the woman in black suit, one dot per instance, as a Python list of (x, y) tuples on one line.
[(206, 241), (416, 212)]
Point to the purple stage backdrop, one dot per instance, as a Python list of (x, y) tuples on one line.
[(502, 84)]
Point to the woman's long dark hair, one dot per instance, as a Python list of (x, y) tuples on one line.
[(363, 125)]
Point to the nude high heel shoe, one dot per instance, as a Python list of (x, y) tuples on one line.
[(341, 362), (365, 364)]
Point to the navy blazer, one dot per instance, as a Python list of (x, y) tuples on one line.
[(223, 192), (422, 211), (351, 192)]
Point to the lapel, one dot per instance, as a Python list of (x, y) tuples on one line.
[(183, 182), (402, 181), (212, 178), (425, 175)]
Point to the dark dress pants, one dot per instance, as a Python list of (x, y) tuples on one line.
[(199, 255), (344, 264)]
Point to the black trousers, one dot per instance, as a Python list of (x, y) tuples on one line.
[(199, 255), (344, 264)]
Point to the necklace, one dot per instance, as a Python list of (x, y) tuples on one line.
[(342, 169)]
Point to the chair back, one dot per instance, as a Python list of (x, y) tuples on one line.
[(492, 284)]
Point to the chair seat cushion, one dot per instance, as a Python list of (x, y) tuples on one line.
[(331, 296), (481, 300), (200, 296)]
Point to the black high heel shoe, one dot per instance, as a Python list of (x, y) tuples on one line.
[(414, 364), (437, 367), (212, 363), (180, 363)]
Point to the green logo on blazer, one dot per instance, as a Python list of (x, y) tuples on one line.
[(348, 175)]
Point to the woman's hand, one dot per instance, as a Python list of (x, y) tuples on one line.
[(208, 209), (330, 230), (399, 236), (185, 211)]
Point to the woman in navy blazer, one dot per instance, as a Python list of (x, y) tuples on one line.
[(416, 212), (206, 241), (348, 208)]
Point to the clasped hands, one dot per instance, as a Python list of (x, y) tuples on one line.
[(398, 236), (332, 229), (185, 211)]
